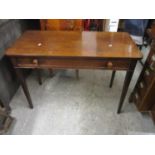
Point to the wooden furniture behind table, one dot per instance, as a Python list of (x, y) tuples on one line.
[(61, 25), (143, 94), (75, 50)]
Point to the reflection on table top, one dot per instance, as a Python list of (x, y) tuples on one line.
[(75, 44)]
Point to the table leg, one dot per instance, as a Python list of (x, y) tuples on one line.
[(51, 72), (112, 79), (24, 86), (127, 80), (39, 76)]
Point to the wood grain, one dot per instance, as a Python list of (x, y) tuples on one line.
[(75, 44), (62, 24)]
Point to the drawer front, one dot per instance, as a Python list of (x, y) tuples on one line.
[(142, 88), (81, 63), (27, 62), (137, 99), (153, 44), (139, 102), (151, 60), (148, 76)]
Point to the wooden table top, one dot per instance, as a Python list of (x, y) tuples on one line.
[(75, 44)]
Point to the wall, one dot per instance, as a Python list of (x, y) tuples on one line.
[(10, 30)]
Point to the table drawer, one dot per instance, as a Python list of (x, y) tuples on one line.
[(142, 88), (26, 62), (148, 76), (150, 62), (153, 44), (81, 63), (137, 99)]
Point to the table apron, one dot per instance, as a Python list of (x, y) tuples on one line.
[(72, 63)]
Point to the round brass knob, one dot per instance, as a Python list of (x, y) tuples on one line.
[(147, 72), (141, 85), (152, 66), (153, 57), (109, 64), (35, 61)]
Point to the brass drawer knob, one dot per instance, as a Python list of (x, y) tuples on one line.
[(152, 66), (137, 96), (35, 61), (147, 72), (109, 64), (141, 85)]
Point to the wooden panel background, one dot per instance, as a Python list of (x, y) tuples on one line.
[(61, 24)]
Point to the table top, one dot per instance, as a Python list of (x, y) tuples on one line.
[(75, 44)]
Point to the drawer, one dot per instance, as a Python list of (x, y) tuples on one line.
[(139, 95), (85, 63), (81, 63), (148, 76), (137, 99), (25, 62), (153, 44), (140, 103), (142, 88), (151, 60)]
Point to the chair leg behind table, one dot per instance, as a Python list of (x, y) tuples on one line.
[(112, 78), (77, 73), (51, 72), (39, 76), (24, 86)]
